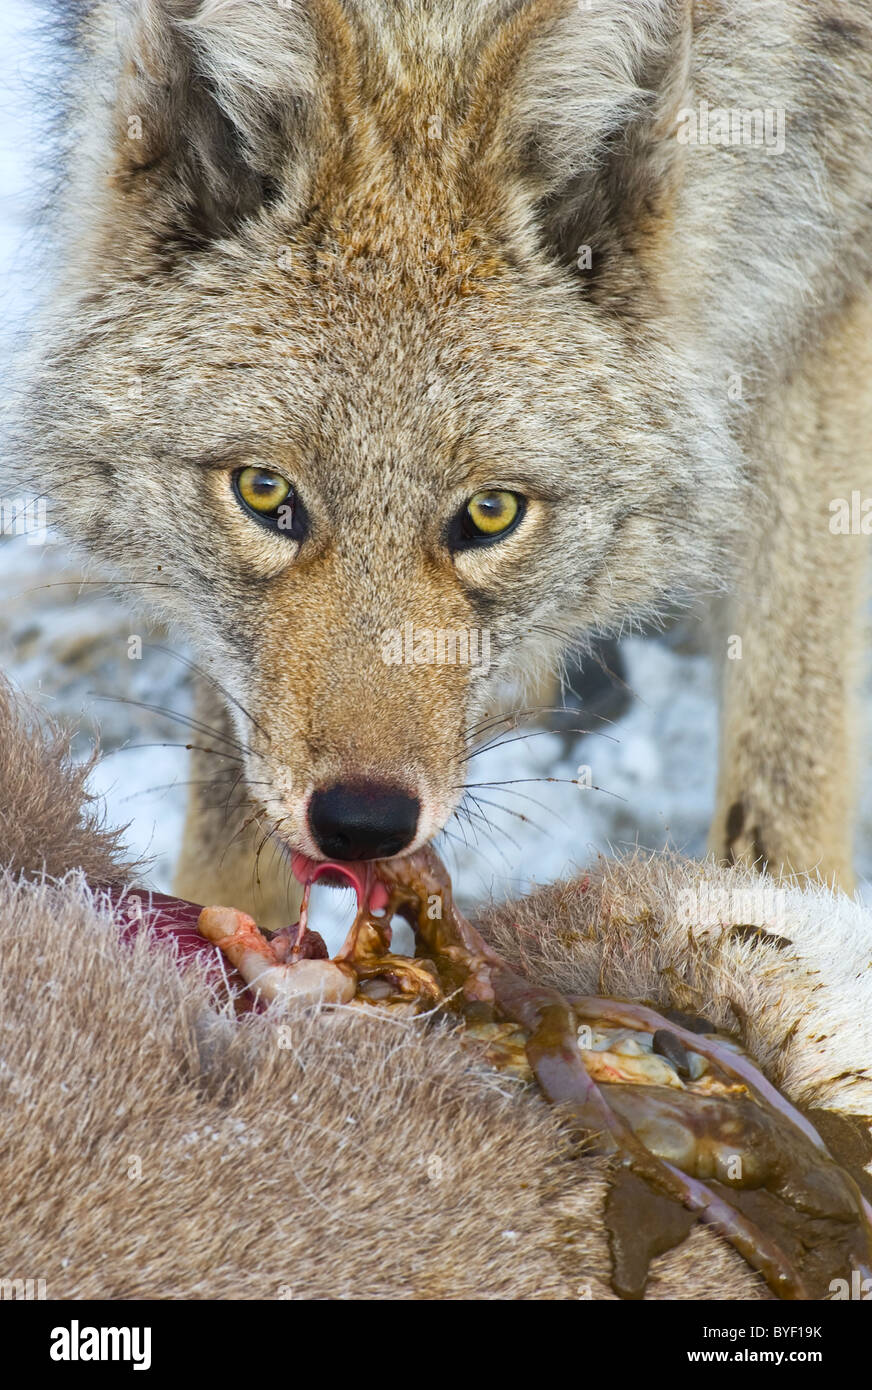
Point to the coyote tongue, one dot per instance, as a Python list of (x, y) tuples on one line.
[(360, 875)]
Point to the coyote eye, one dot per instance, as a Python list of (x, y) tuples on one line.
[(487, 517), (270, 499), (261, 490)]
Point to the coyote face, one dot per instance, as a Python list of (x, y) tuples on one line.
[(335, 365), (313, 466)]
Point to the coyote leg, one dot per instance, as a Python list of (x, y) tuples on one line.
[(792, 645), (219, 860)]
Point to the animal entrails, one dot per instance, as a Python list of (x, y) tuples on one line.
[(677, 1126)]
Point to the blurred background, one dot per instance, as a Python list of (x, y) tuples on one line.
[(651, 759)]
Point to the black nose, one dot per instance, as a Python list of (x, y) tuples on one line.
[(363, 820)]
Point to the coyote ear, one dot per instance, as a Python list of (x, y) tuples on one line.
[(206, 129), (603, 93)]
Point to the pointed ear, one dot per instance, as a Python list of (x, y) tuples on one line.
[(595, 117), (209, 113)]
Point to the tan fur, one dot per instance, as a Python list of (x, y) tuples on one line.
[(48, 820), (156, 1147), (792, 730), (227, 855), (340, 239)]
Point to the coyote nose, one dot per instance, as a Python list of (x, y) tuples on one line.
[(362, 821)]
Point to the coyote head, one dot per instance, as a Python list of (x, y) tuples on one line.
[(366, 355)]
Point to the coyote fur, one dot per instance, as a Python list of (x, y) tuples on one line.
[(517, 317)]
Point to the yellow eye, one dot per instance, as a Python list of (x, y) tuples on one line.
[(492, 513), (262, 490)]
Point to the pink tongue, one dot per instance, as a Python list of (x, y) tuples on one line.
[(370, 891)]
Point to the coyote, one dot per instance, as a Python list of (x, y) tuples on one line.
[(516, 317)]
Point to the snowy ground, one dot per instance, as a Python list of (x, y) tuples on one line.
[(68, 646)]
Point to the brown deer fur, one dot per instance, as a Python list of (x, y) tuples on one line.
[(152, 1146)]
